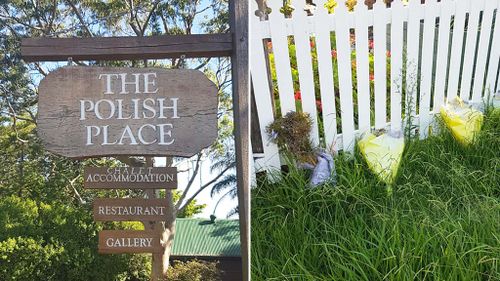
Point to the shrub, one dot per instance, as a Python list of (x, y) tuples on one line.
[(53, 242), (193, 270)]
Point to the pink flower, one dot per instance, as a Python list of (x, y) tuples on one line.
[(297, 95), (334, 53), (370, 44)]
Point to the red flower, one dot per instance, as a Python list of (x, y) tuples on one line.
[(372, 77), (370, 44), (388, 54), (297, 96), (334, 53), (311, 43), (319, 106)]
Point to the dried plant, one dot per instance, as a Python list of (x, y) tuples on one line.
[(292, 134)]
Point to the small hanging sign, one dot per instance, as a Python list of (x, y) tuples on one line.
[(130, 209), (129, 241), (130, 177)]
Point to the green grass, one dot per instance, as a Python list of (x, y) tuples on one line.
[(441, 222)]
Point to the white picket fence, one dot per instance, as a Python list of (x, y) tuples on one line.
[(451, 46)]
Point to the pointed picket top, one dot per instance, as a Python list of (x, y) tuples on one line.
[(298, 10), (275, 8), (445, 2), (360, 6), (379, 4), (414, 3), (430, 3), (397, 4), (320, 7), (341, 6), (255, 11)]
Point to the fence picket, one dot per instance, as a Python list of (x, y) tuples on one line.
[(396, 63), (281, 58), (456, 47), (263, 96), (380, 61), (442, 54), (470, 48), (427, 59), (362, 66), (494, 56), (412, 60), (325, 69), (484, 39), (304, 66), (345, 75)]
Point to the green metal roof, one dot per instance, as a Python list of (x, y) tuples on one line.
[(200, 237)]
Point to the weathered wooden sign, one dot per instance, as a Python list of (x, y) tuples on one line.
[(129, 241), (103, 111), (130, 177), (130, 209)]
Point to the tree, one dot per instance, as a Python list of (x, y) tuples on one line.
[(227, 185), (31, 171)]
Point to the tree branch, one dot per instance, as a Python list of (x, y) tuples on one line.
[(132, 17), (145, 25), (80, 18), (40, 69), (202, 188), (190, 182), (72, 184)]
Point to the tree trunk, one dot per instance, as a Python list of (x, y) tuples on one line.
[(168, 232)]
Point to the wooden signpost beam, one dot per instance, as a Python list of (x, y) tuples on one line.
[(126, 48), (157, 258)]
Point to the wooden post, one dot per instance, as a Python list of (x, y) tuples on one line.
[(156, 263), (238, 10)]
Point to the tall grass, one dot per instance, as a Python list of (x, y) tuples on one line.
[(441, 221)]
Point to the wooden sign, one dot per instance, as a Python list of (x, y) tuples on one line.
[(105, 111), (129, 241), (130, 209), (130, 177)]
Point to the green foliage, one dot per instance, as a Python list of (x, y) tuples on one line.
[(292, 134), (41, 241), (440, 222), (191, 209), (27, 259), (193, 270)]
